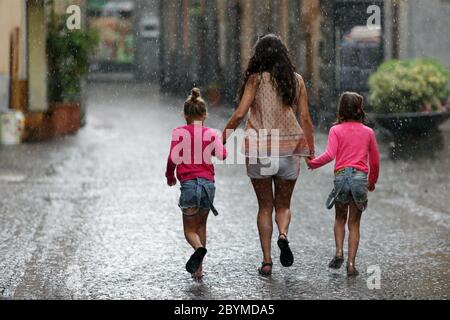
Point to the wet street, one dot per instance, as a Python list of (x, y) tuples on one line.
[(91, 217)]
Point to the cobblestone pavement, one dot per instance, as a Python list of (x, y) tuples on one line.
[(90, 217)]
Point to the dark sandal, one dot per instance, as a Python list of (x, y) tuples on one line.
[(196, 260), (286, 256), (336, 263), (264, 265), (353, 273)]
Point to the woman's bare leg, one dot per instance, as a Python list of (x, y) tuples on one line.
[(264, 193), (283, 196), (353, 239), (339, 227)]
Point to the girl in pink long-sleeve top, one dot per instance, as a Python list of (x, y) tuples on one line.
[(192, 149), (354, 148)]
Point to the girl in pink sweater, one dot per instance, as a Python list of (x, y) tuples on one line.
[(192, 149), (354, 147)]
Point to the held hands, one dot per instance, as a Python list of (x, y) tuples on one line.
[(172, 181), (224, 138), (308, 161)]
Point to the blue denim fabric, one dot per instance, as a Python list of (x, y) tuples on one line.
[(350, 184), (198, 193)]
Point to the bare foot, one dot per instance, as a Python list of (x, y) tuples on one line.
[(199, 274)]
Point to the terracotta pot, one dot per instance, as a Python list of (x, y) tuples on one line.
[(38, 126), (65, 118)]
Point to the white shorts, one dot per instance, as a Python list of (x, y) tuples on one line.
[(286, 168)]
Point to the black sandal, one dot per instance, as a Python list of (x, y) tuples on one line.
[(286, 256), (353, 273), (263, 265), (196, 260), (336, 263)]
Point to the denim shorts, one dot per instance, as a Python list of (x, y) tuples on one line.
[(198, 193), (286, 168), (349, 185)]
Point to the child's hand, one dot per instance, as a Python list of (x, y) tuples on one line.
[(171, 181), (308, 162), (371, 187)]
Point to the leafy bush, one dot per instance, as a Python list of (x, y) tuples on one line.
[(68, 54), (409, 86)]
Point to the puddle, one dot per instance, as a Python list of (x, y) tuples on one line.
[(11, 176)]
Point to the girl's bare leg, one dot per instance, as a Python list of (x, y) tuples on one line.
[(264, 193), (201, 231), (353, 239), (283, 195), (191, 221), (339, 227)]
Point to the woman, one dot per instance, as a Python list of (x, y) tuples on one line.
[(279, 127)]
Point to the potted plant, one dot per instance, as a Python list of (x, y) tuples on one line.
[(410, 95), (68, 62)]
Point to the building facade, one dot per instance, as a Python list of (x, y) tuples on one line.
[(208, 42), (24, 58), (23, 44)]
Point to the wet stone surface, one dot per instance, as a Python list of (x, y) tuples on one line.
[(90, 217)]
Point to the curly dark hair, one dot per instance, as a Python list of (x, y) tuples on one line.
[(351, 108), (271, 55)]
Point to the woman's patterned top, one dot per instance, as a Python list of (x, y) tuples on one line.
[(272, 128)]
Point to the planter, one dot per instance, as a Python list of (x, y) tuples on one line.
[(411, 122), (65, 118), (38, 126)]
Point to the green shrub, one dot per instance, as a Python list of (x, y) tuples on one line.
[(408, 85), (68, 58)]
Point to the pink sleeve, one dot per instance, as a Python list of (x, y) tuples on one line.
[(220, 152), (330, 153), (171, 166), (374, 160)]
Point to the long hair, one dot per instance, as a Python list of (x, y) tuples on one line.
[(351, 108), (271, 55)]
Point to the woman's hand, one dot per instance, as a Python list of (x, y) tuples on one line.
[(371, 187), (308, 162), (242, 109), (224, 138), (172, 181)]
